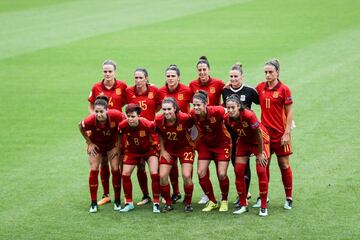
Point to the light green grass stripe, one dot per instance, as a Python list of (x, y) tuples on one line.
[(34, 29)]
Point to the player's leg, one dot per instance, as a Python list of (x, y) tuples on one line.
[(105, 179), (174, 178), (240, 166), (187, 168), (205, 183), (164, 171), (286, 175), (113, 156), (94, 161), (143, 183), (153, 163), (222, 167), (127, 170)]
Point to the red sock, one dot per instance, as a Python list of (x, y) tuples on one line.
[(105, 176), (127, 185), (224, 187), (174, 178), (116, 181), (263, 184), (155, 185), (93, 184), (206, 186), (143, 183), (165, 193), (188, 189), (240, 182), (286, 175)]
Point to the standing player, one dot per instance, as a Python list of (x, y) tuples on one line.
[(174, 129), (276, 116), (214, 144), (115, 91), (145, 95), (183, 96), (141, 145), (210, 85), (252, 139), (100, 132), (247, 95)]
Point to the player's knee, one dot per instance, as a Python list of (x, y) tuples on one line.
[(222, 175), (187, 178), (201, 173)]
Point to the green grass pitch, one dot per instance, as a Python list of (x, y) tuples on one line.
[(51, 54)]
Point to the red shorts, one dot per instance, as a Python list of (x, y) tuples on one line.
[(275, 145), (222, 153), (184, 157), (243, 150), (135, 158), (103, 149)]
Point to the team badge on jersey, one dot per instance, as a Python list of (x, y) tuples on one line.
[(212, 90), (118, 91), (180, 96), (276, 94), (151, 95), (179, 127), (244, 124), (242, 98), (213, 120), (142, 133), (112, 124)]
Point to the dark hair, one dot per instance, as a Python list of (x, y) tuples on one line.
[(204, 60), (101, 100), (237, 66), (275, 63), (132, 107), (174, 68), (235, 98), (110, 62), (173, 102), (143, 70), (202, 96)]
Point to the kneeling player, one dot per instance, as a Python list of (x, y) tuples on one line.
[(252, 139), (141, 144), (174, 129), (100, 132)]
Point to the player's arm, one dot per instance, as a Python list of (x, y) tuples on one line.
[(92, 147), (163, 151), (260, 157), (285, 139)]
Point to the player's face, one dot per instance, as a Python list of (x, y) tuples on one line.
[(233, 109), (140, 79), (100, 112), (198, 106), (203, 72), (169, 111), (109, 72), (133, 119), (172, 79), (270, 73), (235, 78)]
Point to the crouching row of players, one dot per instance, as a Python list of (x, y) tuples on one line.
[(127, 140)]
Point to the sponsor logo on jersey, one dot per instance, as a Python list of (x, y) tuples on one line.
[(276, 94), (212, 90), (118, 91), (151, 95), (142, 133), (180, 96), (242, 98)]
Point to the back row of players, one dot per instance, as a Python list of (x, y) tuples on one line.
[(142, 136)]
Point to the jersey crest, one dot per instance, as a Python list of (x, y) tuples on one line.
[(245, 124), (180, 96), (276, 94), (112, 124), (212, 90), (118, 91), (179, 127), (151, 95), (142, 133), (242, 98), (213, 120)]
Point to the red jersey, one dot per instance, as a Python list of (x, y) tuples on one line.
[(147, 100), (176, 137), (272, 103), (103, 135), (213, 132), (116, 94), (182, 94), (213, 87), (139, 139), (245, 126)]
